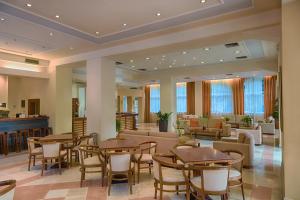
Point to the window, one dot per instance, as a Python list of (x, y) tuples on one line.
[(124, 103), (181, 97), (254, 96), (136, 105), (154, 98), (221, 97), (81, 99)]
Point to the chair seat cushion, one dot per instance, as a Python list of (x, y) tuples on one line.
[(63, 152), (132, 166), (234, 174), (172, 175), (94, 160), (145, 157), (37, 150), (196, 182)]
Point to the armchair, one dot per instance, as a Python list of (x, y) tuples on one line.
[(268, 128)]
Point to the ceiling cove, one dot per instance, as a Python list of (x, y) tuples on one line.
[(226, 6)]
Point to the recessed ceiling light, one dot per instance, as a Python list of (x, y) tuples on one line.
[(155, 68), (174, 60), (163, 59), (237, 76), (147, 58), (132, 66), (184, 64), (131, 61), (184, 52), (57, 16), (28, 5), (51, 34), (163, 56), (158, 14), (221, 60), (2, 19), (194, 58), (170, 66), (237, 52), (97, 32), (202, 62), (71, 48), (124, 24), (206, 49), (203, 1)]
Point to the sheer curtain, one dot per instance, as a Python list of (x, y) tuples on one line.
[(154, 98), (82, 103), (254, 96), (124, 103), (221, 97), (181, 103)]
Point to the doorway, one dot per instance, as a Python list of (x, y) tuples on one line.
[(33, 106)]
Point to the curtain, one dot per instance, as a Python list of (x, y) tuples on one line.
[(124, 103), (129, 103), (154, 98), (118, 104), (270, 94), (221, 97), (206, 87), (238, 96), (190, 87), (181, 97), (147, 104), (254, 96)]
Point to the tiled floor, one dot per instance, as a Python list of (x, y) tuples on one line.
[(262, 182)]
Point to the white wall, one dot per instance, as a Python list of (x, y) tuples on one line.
[(3, 89), (23, 88), (291, 98)]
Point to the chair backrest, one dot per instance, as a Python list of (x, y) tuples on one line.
[(156, 170), (119, 162), (184, 146), (7, 189), (238, 157), (30, 143), (149, 147), (86, 150), (215, 179), (51, 150)]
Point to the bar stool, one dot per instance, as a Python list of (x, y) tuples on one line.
[(36, 132), (3, 143), (24, 134), (15, 141), (49, 131)]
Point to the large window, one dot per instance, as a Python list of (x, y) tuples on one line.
[(254, 96), (124, 103), (221, 97), (181, 97), (154, 98)]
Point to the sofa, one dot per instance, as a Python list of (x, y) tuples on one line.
[(213, 127), (256, 132), (244, 144), (165, 140), (268, 126)]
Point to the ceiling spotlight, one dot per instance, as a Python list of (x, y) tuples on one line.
[(221, 60), (57, 16), (71, 48), (170, 66), (184, 64), (155, 68), (51, 34), (184, 52), (163, 56), (202, 62), (132, 66), (131, 61), (28, 5), (147, 58), (194, 58), (124, 24), (203, 1), (237, 76), (158, 14), (237, 52), (206, 49), (97, 33), (2, 19)]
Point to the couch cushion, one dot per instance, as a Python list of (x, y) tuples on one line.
[(245, 138), (214, 123), (203, 121), (194, 122)]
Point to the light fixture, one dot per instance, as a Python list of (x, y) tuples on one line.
[(184, 52), (28, 5), (131, 61), (237, 52), (158, 14), (124, 24), (155, 68), (203, 1), (97, 33), (51, 34), (163, 56), (202, 62), (57, 16), (71, 48), (2, 19), (132, 66), (147, 58), (206, 49), (170, 66), (194, 58), (221, 60), (184, 64)]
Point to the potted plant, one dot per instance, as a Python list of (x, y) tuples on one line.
[(275, 114), (163, 120), (118, 125), (247, 120), (227, 119)]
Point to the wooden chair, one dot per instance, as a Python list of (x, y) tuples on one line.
[(93, 164), (7, 189), (24, 134), (36, 132), (213, 180), (15, 141), (53, 151), (120, 168), (33, 151), (236, 170), (167, 174), (147, 150)]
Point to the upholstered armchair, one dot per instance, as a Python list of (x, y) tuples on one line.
[(268, 128), (7, 189), (245, 144)]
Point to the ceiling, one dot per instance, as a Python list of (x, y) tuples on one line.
[(244, 50), (35, 31)]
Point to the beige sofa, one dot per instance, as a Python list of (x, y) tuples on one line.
[(244, 143), (165, 140)]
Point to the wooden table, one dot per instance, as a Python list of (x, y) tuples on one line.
[(201, 155), (115, 145), (62, 138)]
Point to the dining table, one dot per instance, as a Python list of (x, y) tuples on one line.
[(118, 145)]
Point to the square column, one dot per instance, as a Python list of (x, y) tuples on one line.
[(100, 94), (168, 99)]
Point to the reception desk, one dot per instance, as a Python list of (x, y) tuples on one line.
[(16, 124), (128, 120)]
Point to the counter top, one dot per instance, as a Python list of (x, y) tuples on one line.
[(23, 119)]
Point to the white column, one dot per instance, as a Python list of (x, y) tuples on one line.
[(168, 99), (198, 98), (101, 109), (291, 97)]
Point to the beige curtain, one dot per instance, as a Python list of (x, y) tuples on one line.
[(118, 104), (270, 94), (190, 99), (238, 96), (206, 98), (129, 103), (147, 117)]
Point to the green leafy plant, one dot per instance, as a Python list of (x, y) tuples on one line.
[(163, 116), (227, 119), (247, 120), (118, 125), (275, 113)]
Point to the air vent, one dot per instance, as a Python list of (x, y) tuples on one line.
[(119, 63), (233, 44), (241, 57), (142, 69), (229, 74), (133, 88), (32, 61), (187, 78)]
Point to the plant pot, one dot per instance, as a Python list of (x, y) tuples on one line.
[(163, 126)]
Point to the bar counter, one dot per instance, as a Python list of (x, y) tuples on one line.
[(16, 124), (128, 120)]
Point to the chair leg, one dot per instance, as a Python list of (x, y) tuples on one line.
[(109, 183), (161, 192), (149, 168), (33, 160), (43, 166), (102, 181), (82, 176), (177, 189), (187, 192), (130, 181), (242, 187), (138, 174), (29, 162), (155, 187)]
